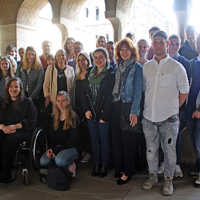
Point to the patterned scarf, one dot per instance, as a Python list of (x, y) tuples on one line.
[(121, 70)]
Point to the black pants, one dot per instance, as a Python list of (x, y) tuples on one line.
[(8, 147), (124, 144)]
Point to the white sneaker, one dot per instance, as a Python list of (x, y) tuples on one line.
[(150, 182), (178, 172), (161, 169), (168, 188), (197, 181)]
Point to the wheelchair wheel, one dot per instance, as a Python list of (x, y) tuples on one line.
[(26, 177), (39, 147)]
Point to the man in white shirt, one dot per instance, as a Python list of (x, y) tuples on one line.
[(166, 88)]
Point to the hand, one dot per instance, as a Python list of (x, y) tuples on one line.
[(88, 114), (9, 129), (133, 119), (47, 101), (50, 153), (196, 114), (101, 121)]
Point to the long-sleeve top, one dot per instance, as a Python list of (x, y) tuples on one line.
[(32, 81), (23, 112), (66, 138)]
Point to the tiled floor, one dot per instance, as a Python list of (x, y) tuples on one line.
[(86, 187)]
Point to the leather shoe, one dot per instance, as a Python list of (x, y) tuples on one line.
[(120, 181)]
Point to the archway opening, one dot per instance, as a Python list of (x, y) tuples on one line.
[(146, 14), (34, 25)]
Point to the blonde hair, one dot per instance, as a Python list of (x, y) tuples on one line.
[(71, 117), (36, 65), (78, 69), (10, 70)]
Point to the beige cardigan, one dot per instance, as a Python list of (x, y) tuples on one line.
[(50, 86)]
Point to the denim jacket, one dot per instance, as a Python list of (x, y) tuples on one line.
[(132, 88)]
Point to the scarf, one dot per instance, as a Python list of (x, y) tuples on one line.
[(122, 69), (95, 81)]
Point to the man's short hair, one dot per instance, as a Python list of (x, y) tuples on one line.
[(110, 42), (174, 36), (161, 34), (154, 28)]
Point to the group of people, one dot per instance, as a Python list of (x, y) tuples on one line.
[(122, 103)]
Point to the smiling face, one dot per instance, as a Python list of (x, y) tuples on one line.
[(30, 57), (142, 48), (14, 89), (4, 64), (60, 58), (125, 52), (174, 45), (82, 63), (99, 59)]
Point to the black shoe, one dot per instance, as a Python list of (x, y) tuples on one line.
[(121, 182), (104, 172), (96, 170)]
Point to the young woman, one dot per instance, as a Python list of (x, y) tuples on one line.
[(79, 89), (127, 93), (69, 49), (57, 78), (32, 74), (63, 136), (97, 106), (6, 73), (17, 122)]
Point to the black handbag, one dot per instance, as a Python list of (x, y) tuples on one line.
[(124, 119)]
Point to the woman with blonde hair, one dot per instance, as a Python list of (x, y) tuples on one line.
[(32, 74), (57, 78), (6, 73), (62, 135), (127, 94)]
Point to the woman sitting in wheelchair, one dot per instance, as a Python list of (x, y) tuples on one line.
[(17, 122), (63, 136)]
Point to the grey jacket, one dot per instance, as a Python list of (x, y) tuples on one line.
[(32, 81)]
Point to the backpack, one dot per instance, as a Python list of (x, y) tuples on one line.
[(59, 178)]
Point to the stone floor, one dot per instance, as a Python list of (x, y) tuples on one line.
[(86, 187)]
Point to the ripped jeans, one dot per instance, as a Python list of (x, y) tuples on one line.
[(164, 133)]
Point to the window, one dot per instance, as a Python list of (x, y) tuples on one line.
[(86, 12), (97, 13)]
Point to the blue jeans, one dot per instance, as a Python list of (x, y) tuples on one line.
[(166, 133), (100, 141), (63, 158)]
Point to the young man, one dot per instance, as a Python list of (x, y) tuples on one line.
[(188, 50), (152, 30), (193, 108), (110, 48), (173, 48), (166, 88)]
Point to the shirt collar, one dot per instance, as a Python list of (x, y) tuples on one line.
[(162, 61)]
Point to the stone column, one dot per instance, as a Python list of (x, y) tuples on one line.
[(182, 8)]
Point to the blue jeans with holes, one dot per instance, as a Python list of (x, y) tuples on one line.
[(100, 141), (64, 158), (166, 133)]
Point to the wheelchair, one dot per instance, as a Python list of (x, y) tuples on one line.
[(28, 155)]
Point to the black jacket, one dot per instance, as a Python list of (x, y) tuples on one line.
[(102, 109)]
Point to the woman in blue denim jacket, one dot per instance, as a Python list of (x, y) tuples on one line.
[(127, 91)]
